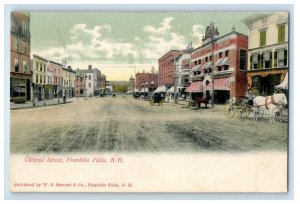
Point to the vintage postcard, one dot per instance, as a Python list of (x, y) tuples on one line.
[(149, 101)]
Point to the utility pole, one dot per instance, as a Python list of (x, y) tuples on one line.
[(212, 74)]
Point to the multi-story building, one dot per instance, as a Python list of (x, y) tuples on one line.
[(267, 51), (38, 77), (49, 88), (97, 81), (89, 80), (146, 82), (68, 82), (166, 71), (103, 84), (225, 59), (57, 72), (79, 83), (20, 57)]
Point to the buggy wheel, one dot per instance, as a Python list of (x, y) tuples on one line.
[(244, 111), (230, 111)]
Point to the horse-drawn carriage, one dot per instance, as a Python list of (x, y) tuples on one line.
[(243, 107), (156, 98)]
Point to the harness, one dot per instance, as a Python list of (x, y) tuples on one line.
[(272, 101)]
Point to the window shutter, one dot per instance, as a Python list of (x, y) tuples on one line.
[(275, 58), (285, 57)]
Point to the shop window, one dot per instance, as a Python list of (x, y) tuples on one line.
[(262, 38), (243, 58), (16, 65), (281, 33)]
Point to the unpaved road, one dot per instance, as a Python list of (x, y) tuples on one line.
[(123, 124)]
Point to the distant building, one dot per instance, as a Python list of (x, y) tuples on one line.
[(92, 81), (103, 84), (97, 81), (131, 87), (267, 51), (146, 82), (109, 88), (39, 76), (57, 72), (166, 70), (20, 72), (68, 81), (79, 83)]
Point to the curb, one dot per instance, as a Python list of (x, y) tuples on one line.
[(54, 104)]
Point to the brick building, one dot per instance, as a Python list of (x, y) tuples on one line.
[(57, 81), (146, 82), (20, 71), (229, 54), (79, 83), (166, 71)]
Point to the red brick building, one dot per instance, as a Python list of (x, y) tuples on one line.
[(146, 82), (229, 54), (20, 71), (79, 83), (166, 69)]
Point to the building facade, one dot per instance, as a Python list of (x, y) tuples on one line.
[(146, 82), (97, 81), (39, 77), (20, 73), (68, 82), (267, 51), (166, 70), (225, 59), (49, 88), (103, 84), (79, 83), (57, 73)]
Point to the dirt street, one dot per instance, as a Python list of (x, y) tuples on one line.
[(123, 124)]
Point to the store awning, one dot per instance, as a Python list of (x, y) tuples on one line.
[(219, 84), (219, 62), (207, 65), (160, 89), (225, 61), (195, 87), (196, 68), (285, 83)]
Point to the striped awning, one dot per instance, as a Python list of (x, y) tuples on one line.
[(196, 68), (225, 61), (219, 84), (207, 65), (195, 87), (219, 62)]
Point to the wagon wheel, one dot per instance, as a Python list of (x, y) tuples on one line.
[(229, 110), (244, 111)]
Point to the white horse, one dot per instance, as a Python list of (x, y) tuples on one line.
[(273, 103)]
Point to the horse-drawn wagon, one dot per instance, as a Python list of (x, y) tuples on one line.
[(156, 98)]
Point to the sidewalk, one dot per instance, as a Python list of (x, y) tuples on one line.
[(48, 102)]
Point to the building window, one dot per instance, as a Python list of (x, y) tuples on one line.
[(41, 79), (89, 77), (16, 43), (219, 69), (195, 62), (220, 55), (226, 53), (255, 61), (256, 82), (262, 38), (24, 66), (23, 47), (280, 58), (37, 67), (36, 78), (267, 59), (206, 59), (44, 79), (41, 67), (242, 59), (199, 61), (90, 85), (281, 33), (210, 58), (16, 65)]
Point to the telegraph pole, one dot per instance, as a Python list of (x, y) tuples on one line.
[(212, 74), (176, 80)]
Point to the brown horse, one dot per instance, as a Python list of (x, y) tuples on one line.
[(203, 100)]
